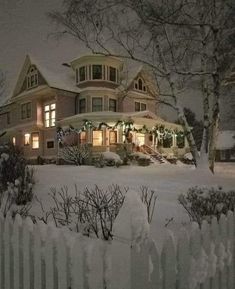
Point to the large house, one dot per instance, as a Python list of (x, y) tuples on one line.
[(94, 90)]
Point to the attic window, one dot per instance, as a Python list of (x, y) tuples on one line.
[(32, 77), (140, 85)]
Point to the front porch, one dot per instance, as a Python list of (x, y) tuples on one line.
[(114, 131)]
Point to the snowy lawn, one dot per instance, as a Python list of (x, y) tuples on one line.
[(167, 180)]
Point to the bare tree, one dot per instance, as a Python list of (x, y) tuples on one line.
[(162, 35)]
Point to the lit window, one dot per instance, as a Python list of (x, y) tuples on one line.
[(82, 137), (50, 114), (14, 140), (139, 106), (35, 140), (97, 137), (82, 105), (96, 71), (97, 104), (26, 110), (112, 137), (112, 105), (26, 139), (82, 73), (112, 74), (32, 77)]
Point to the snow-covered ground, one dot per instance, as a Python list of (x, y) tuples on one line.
[(167, 180)]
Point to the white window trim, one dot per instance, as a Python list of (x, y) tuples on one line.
[(31, 108), (116, 102), (140, 102), (105, 74), (102, 102), (31, 140), (44, 113), (32, 73)]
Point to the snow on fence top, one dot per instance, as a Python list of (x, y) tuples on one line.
[(42, 256)]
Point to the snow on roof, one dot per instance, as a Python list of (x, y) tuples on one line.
[(62, 78), (142, 117), (225, 139)]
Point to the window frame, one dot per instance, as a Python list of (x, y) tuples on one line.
[(51, 119), (92, 73), (50, 141), (102, 103), (140, 104), (116, 137), (27, 143), (32, 140), (32, 78), (110, 74), (79, 105), (102, 137), (115, 100), (27, 112)]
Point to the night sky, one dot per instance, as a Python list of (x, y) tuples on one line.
[(25, 28)]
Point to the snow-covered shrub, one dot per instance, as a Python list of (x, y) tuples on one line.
[(91, 212), (205, 203), (187, 158), (15, 174), (75, 154), (108, 159), (141, 158), (112, 159)]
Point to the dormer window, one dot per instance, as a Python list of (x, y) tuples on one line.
[(32, 77), (140, 85)]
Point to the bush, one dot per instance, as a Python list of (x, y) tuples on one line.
[(75, 154), (109, 159), (206, 203), (15, 173), (91, 212), (141, 159)]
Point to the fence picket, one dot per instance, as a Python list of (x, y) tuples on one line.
[(155, 275), (206, 243), (215, 281), (2, 252), (61, 262), (168, 260), (7, 250), (231, 237), (49, 260), (140, 266), (34, 258), (223, 243), (196, 255), (77, 258), (183, 258), (37, 258), (17, 226)]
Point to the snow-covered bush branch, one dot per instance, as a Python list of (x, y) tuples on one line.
[(149, 198), (205, 203), (74, 154)]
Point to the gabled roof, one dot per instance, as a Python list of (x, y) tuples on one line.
[(60, 79)]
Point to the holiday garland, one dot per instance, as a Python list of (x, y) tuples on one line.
[(157, 130)]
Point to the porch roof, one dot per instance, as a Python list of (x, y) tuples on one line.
[(139, 118)]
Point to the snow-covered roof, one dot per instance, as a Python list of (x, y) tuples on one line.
[(61, 78), (225, 139), (140, 118)]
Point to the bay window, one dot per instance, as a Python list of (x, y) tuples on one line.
[(97, 104)]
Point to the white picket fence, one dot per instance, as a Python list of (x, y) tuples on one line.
[(42, 257)]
